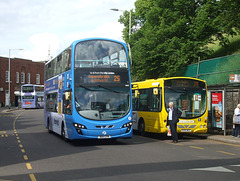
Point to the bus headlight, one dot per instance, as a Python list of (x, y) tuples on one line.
[(128, 126), (79, 127)]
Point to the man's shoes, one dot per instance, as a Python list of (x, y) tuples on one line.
[(175, 141)]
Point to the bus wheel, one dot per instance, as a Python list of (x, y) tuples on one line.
[(63, 133), (48, 127), (141, 127)]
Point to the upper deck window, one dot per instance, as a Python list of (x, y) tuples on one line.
[(100, 53), (27, 89)]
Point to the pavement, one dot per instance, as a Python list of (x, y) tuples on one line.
[(227, 139), (216, 137), (6, 109)]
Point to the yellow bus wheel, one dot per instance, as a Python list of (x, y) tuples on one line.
[(141, 127)]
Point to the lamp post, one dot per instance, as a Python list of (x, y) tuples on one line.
[(129, 33), (130, 19), (9, 80)]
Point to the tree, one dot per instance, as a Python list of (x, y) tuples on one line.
[(169, 34)]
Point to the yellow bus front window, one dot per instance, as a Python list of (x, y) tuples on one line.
[(188, 95)]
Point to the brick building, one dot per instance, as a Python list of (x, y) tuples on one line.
[(22, 71)]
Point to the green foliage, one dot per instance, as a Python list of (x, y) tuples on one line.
[(169, 34), (233, 47)]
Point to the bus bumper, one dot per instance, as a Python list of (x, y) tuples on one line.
[(103, 134), (200, 131)]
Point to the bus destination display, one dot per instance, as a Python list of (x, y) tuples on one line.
[(184, 83), (108, 77)]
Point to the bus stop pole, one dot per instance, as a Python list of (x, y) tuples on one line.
[(224, 112)]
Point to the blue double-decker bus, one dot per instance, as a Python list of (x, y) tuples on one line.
[(32, 96), (88, 91)]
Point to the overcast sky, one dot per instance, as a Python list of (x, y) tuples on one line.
[(35, 25)]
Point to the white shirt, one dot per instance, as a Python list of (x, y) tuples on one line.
[(170, 114), (237, 111)]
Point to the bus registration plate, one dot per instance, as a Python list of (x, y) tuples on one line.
[(104, 137), (186, 130)]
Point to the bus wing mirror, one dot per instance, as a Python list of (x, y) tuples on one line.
[(155, 91), (68, 96), (137, 94)]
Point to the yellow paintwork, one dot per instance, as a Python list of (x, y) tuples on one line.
[(156, 122)]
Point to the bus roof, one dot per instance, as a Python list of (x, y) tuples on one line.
[(86, 39)]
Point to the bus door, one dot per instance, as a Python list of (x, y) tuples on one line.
[(67, 109), (154, 104), (149, 104)]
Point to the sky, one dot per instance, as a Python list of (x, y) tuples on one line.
[(37, 26)]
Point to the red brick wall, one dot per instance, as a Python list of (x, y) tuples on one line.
[(18, 65)]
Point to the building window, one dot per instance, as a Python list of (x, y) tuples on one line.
[(22, 77), (17, 77), (37, 78), (7, 76), (29, 78)]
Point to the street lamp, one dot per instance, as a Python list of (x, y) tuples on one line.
[(129, 33), (9, 89)]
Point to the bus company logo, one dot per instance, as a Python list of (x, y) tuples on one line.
[(56, 122), (104, 132)]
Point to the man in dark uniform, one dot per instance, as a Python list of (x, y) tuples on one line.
[(173, 119)]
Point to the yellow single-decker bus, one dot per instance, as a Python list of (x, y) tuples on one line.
[(151, 99)]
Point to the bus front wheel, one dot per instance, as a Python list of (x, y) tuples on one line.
[(48, 127), (141, 127), (63, 133)]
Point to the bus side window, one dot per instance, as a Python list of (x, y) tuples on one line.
[(67, 103), (155, 103)]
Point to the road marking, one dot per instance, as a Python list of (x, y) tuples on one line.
[(20, 145), (29, 167), (18, 138), (19, 141), (14, 122), (25, 157), (22, 150), (235, 165), (214, 169), (226, 153), (230, 144), (197, 147), (32, 177)]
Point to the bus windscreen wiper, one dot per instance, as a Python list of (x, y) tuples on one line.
[(108, 89), (85, 87)]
